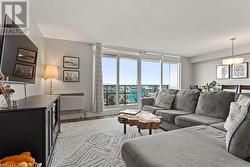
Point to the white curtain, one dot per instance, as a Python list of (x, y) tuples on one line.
[(98, 85)]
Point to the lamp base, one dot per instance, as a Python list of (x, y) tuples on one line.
[(51, 87)]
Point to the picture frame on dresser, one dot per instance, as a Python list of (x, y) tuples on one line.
[(223, 72), (240, 71)]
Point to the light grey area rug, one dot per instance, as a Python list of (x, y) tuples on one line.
[(93, 143)]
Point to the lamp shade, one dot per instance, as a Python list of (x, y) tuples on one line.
[(51, 72), (234, 60)]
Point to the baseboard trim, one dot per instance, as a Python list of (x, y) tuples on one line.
[(88, 118)]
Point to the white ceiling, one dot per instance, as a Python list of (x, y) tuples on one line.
[(180, 27)]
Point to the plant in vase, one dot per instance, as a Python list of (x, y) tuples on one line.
[(6, 91), (209, 87)]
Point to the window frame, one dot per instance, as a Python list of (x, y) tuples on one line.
[(162, 59)]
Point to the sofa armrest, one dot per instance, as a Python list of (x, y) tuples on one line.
[(147, 101)]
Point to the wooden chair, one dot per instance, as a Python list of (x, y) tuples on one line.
[(234, 88), (244, 87), (193, 87)]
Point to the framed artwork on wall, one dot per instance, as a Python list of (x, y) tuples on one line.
[(23, 71), (240, 70), (223, 72), (27, 56), (71, 76), (71, 62)]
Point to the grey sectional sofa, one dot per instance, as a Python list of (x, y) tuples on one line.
[(192, 108), (199, 138), (198, 146)]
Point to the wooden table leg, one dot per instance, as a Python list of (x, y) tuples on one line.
[(139, 130), (125, 128), (150, 131)]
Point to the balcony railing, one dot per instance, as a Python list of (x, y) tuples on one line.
[(128, 94)]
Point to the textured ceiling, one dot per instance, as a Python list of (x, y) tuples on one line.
[(180, 27)]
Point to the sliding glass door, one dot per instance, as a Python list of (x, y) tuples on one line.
[(174, 76), (109, 80), (150, 77), (125, 78), (127, 81), (170, 75), (166, 74)]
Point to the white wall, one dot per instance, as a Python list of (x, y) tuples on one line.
[(204, 66), (54, 51), (38, 88)]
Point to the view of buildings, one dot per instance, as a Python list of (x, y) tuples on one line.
[(120, 77), (127, 93)]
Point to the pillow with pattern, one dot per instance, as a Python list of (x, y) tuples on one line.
[(238, 128), (164, 100)]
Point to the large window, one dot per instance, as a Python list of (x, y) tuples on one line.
[(166, 74), (174, 76), (128, 81), (127, 77), (150, 77), (109, 80), (170, 76)]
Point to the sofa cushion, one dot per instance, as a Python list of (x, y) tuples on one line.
[(199, 146), (169, 115), (219, 126), (215, 104), (195, 119), (238, 127), (170, 91), (151, 109), (169, 126), (147, 101), (164, 100), (238, 94), (186, 100), (240, 141)]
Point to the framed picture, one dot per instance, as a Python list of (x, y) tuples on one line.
[(71, 62), (240, 70), (27, 56), (71, 76), (223, 72), (23, 71)]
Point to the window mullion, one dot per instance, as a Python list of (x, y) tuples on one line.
[(117, 81), (139, 81), (169, 73), (161, 79), (179, 76)]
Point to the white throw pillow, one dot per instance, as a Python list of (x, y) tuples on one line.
[(238, 111), (235, 108), (243, 100)]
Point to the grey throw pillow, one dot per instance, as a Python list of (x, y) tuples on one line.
[(238, 128), (164, 100), (215, 104)]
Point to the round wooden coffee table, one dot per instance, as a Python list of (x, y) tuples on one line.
[(143, 120)]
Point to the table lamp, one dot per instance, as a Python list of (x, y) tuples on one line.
[(51, 73)]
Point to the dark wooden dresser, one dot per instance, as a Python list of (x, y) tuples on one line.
[(31, 126)]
